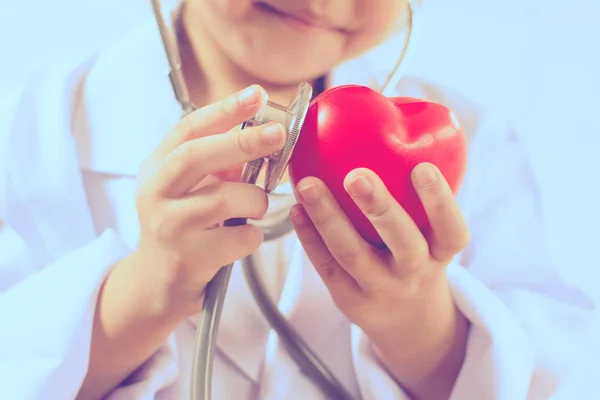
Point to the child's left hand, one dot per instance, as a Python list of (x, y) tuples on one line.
[(400, 296)]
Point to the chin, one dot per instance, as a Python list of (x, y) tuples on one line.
[(284, 76), (288, 68)]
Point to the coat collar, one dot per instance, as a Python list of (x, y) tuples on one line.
[(127, 104)]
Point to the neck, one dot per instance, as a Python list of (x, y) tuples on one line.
[(209, 74)]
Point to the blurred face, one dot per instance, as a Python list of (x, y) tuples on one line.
[(287, 41)]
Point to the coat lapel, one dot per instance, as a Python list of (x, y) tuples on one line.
[(307, 304)]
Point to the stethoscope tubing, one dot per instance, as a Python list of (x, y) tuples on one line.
[(208, 326), (310, 364)]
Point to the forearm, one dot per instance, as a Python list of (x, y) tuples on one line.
[(129, 326), (426, 362)]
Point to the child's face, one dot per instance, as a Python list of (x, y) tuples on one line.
[(287, 41)]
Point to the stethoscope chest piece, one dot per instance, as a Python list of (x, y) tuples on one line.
[(292, 118)]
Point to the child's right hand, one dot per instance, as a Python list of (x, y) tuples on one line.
[(181, 203)]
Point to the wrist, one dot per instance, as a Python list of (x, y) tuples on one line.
[(426, 356), (158, 296), (134, 296), (129, 326)]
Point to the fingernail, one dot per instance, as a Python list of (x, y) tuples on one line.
[(273, 134), (360, 186), (309, 194), (425, 175), (249, 96), (298, 215)]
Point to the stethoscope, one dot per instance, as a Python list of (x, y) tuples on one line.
[(292, 118)]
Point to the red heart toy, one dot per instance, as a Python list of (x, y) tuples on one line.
[(349, 127)]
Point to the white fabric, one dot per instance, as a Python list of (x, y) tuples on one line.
[(72, 143)]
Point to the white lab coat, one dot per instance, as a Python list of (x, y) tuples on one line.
[(71, 145)]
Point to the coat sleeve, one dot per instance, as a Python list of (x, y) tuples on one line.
[(48, 301), (47, 319), (47, 315), (531, 318)]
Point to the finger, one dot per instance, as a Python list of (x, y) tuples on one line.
[(215, 118), (191, 161), (450, 234), (396, 228), (218, 247), (341, 238), (232, 175), (218, 202), (231, 243), (331, 272)]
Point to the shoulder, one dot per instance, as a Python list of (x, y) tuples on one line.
[(33, 115), (41, 93), (51, 94), (500, 159), (61, 77), (44, 99), (498, 150)]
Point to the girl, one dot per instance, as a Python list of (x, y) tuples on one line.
[(108, 203)]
